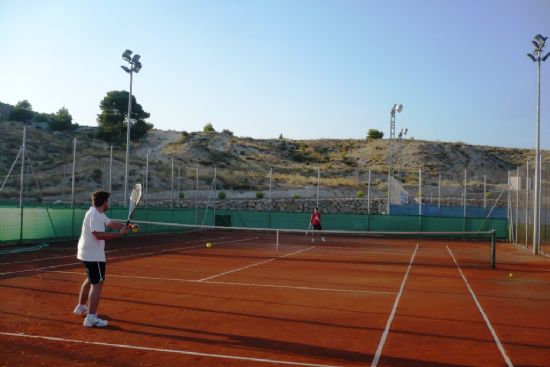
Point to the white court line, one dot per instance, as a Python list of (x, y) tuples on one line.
[(256, 264), (41, 259), (176, 351), (390, 319), (493, 332), (39, 269), (301, 288), (117, 257), (231, 283), (108, 251)]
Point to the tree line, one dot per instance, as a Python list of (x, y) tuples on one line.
[(112, 120)]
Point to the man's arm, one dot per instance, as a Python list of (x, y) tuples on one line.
[(116, 225), (110, 235)]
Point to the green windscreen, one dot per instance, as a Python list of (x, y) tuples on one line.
[(58, 223)]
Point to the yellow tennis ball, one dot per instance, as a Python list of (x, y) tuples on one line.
[(511, 275), (208, 244)]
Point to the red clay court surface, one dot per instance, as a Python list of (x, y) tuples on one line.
[(171, 301)]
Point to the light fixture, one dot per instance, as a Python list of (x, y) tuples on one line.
[(126, 55)]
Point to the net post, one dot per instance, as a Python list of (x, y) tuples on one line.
[(277, 241), (493, 248)]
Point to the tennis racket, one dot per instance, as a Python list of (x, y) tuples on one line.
[(308, 229), (135, 198)]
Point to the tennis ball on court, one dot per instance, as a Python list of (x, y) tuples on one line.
[(208, 244), (511, 275)]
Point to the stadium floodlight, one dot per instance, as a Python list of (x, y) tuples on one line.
[(539, 42), (126, 55), (398, 107), (540, 39), (135, 67)]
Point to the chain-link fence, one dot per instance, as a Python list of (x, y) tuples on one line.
[(175, 182), (521, 199)]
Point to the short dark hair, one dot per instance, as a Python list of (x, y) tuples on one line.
[(100, 197)]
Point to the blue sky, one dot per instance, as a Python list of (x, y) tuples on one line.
[(306, 69)]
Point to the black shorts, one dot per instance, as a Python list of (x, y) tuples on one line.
[(317, 227), (95, 270)]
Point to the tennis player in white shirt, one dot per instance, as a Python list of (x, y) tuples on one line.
[(91, 251)]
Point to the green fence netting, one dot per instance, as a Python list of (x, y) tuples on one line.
[(39, 223)]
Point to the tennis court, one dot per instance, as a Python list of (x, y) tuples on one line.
[(260, 298)]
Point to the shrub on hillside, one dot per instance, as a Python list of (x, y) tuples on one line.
[(374, 134)]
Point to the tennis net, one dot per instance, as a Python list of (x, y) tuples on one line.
[(476, 249)]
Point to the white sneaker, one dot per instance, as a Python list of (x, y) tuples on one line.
[(80, 310), (323, 239), (91, 321), (313, 240)]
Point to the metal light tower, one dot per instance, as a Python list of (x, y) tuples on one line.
[(401, 136), (536, 56), (395, 108), (135, 67)]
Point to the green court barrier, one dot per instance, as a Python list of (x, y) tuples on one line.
[(61, 223)]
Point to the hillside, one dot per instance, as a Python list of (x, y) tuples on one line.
[(243, 164)]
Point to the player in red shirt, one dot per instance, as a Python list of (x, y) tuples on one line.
[(315, 221)]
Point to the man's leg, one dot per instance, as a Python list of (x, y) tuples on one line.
[(94, 296), (84, 291)]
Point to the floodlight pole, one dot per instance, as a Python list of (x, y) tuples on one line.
[(128, 142), (401, 136), (539, 42), (135, 66), (395, 108)]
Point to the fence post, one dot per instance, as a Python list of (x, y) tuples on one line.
[(419, 192), (318, 183), (465, 186), (111, 171), (22, 183), (484, 195), (493, 248), (270, 198), (72, 187), (179, 182), (510, 214), (197, 195), (368, 195), (147, 179), (172, 183), (517, 204), (439, 193), (215, 196), (527, 204)]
